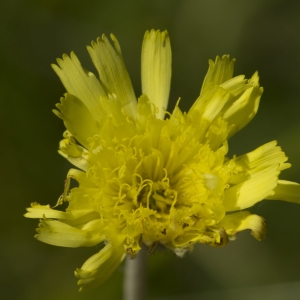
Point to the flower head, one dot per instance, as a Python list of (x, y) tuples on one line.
[(144, 178)]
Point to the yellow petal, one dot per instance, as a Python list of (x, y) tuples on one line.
[(78, 119), (262, 157), (80, 83), (39, 211), (218, 72), (156, 69), (206, 108), (60, 234), (45, 211), (113, 109), (287, 191), (256, 175), (235, 85), (241, 103), (114, 77), (234, 223), (251, 191), (75, 154), (242, 111), (99, 267), (143, 113), (216, 133)]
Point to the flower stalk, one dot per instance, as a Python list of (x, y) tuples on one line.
[(135, 276)]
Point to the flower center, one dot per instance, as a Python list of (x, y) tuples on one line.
[(158, 196)]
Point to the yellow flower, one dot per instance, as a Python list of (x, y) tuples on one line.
[(146, 179)]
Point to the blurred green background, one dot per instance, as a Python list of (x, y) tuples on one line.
[(261, 35)]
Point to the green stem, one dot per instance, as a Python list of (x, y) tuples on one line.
[(135, 279)]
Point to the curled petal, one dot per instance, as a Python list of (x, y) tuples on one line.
[(99, 267), (234, 223)]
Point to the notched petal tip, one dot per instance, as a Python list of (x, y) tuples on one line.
[(225, 59), (65, 58), (254, 79), (219, 71), (158, 36), (155, 33), (116, 44), (57, 113)]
